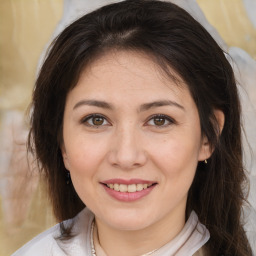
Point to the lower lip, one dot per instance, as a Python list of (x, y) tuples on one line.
[(128, 196)]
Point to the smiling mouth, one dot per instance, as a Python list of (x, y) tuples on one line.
[(131, 188)]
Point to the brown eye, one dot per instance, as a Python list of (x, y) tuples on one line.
[(97, 120), (159, 121)]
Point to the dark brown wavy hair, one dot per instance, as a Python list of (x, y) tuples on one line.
[(173, 39)]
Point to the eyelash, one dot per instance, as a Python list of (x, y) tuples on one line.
[(165, 118), (161, 116), (86, 119)]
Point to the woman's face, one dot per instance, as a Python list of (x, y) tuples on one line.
[(132, 141)]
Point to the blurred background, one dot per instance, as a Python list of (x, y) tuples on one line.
[(26, 28)]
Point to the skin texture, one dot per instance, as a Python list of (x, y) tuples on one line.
[(129, 144)]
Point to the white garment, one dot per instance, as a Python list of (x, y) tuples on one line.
[(192, 237)]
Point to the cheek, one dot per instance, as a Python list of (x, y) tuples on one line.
[(177, 149), (177, 157), (84, 155), (177, 163)]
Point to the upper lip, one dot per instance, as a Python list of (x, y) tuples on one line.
[(128, 182)]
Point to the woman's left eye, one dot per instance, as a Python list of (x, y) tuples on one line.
[(160, 121)]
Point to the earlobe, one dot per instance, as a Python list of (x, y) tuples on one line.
[(206, 150)]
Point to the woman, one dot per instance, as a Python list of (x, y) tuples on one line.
[(136, 116)]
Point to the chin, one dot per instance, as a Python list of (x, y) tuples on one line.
[(127, 221)]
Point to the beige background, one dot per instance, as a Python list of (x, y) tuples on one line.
[(25, 27)]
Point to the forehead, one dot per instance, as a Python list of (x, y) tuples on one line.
[(129, 73)]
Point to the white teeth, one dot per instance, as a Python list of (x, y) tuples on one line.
[(128, 188), (116, 187), (132, 188), (123, 188), (139, 187)]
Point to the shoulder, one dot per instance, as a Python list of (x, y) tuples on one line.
[(49, 244)]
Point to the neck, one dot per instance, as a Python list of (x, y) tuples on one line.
[(117, 242)]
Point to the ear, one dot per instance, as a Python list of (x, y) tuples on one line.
[(220, 117), (65, 157), (206, 149)]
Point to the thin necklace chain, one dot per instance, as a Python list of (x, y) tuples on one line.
[(93, 248), (92, 243)]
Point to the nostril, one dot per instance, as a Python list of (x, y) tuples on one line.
[(127, 158)]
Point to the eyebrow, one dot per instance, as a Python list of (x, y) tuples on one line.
[(143, 107), (96, 103), (160, 103)]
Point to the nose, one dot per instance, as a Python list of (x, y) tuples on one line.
[(127, 150)]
